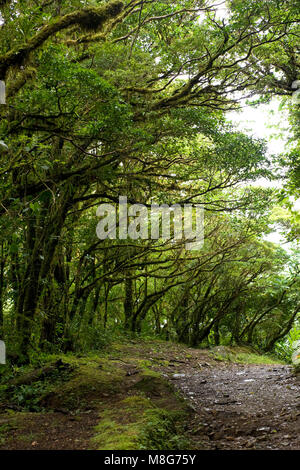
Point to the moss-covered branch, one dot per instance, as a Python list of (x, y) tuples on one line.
[(87, 18)]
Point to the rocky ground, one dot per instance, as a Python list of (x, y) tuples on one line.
[(243, 406)]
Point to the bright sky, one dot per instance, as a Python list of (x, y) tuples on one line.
[(259, 122)]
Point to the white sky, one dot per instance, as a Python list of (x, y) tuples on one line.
[(259, 122)]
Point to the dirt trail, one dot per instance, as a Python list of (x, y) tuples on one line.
[(236, 405), (243, 406)]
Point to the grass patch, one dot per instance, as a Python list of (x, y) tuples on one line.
[(242, 355)]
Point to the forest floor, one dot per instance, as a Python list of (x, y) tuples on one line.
[(152, 395)]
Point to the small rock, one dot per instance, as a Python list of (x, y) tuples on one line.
[(64, 411), (263, 429), (249, 444), (131, 372)]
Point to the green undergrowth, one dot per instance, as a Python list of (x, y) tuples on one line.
[(137, 406), (242, 355), (152, 418), (77, 385), (23, 389)]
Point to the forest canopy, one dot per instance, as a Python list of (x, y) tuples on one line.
[(130, 98)]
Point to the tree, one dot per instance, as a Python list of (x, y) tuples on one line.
[(121, 98)]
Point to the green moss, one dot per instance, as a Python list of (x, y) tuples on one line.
[(121, 426), (242, 355), (136, 423), (146, 367), (144, 363), (164, 430), (153, 385), (80, 386), (93, 378)]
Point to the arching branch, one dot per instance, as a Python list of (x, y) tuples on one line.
[(87, 18)]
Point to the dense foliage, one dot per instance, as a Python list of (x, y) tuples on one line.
[(130, 98)]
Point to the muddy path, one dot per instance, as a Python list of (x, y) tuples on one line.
[(243, 406)]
